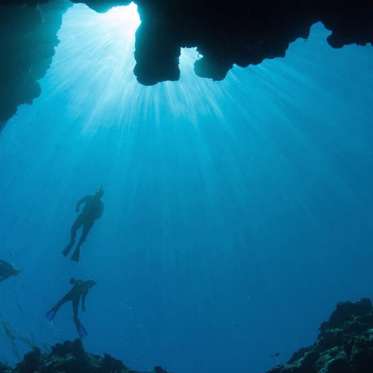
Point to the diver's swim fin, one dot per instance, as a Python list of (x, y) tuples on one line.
[(51, 314), (66, 251), (76, 256)]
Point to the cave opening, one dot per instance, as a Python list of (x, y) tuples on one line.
[(224, 201)]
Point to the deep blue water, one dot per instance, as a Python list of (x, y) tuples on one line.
[(237, 213)]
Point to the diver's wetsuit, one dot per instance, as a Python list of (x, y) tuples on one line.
[(6, 270), (76, 295), (92, 210)]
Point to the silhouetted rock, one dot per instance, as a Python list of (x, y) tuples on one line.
[(344, 345), (28, 37), (4, 368), (241, 32), (70, 357)]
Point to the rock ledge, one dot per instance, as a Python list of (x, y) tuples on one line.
[(344, 345), (70, 357)]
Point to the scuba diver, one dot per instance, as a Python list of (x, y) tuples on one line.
[(7, 270), (92, 210), (76, 295)]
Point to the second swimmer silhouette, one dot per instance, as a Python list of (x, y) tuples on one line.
[(93, 209), (7, 270), (76, 295)]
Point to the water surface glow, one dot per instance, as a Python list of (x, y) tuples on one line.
[(237, 213)]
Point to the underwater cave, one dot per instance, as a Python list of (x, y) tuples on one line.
[(194, 178)]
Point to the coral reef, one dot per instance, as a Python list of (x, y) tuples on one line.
[(241, 32), (70, 357), (344, 345)]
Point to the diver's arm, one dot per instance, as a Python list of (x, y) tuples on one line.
[(80, 202)]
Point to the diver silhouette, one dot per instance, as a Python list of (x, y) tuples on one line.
[(76, 295), (7, 270), (92, 210)]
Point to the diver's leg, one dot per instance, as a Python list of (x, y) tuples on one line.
[(86, 228), (53, 311), (74, 229), (78, 325), (75, 304), (81, 329)]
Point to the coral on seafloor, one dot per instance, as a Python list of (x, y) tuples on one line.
[(344, 345), (70, 357)]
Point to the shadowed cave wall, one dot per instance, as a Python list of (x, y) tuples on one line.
[(225, 33), (28, 37)]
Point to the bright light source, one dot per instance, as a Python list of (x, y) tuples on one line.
[(125, 17)]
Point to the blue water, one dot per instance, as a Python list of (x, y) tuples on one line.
[(237, 213)]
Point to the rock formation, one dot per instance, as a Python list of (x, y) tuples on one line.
[(344, 345), (28, 37), (70, 357), (241, 32)]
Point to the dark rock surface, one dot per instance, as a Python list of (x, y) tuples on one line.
[(242, 32), (70, 357), (344, 345), (28, 37)]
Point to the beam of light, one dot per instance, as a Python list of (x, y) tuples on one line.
[(93, 70), (94, 65), (259, 150), (124, 18)]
